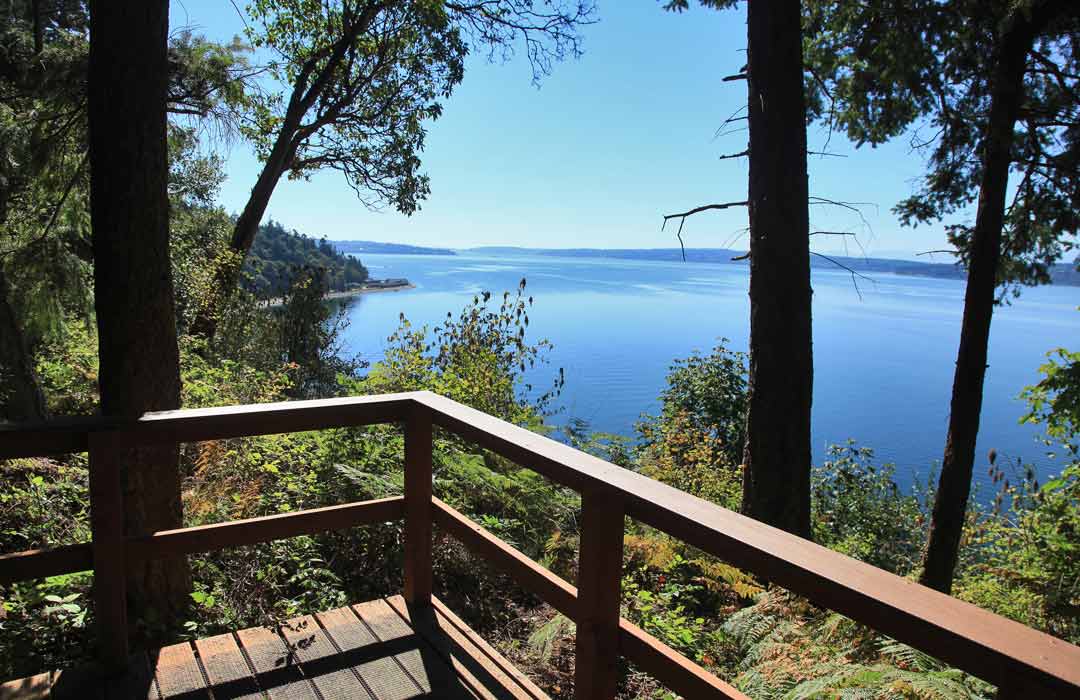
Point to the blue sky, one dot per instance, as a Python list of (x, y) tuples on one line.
[(595, 156)]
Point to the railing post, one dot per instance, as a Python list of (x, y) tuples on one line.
[(599, 593), (418, 448), (110, 579)]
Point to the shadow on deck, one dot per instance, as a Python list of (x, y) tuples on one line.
[(382, 649)]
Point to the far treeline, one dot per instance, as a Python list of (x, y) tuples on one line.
[(125, 287), (278, 254)]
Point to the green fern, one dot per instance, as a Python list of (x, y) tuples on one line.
[(542, 641), (908, 657)]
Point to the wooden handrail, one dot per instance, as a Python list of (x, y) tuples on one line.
[(986, 645), (667, 665), (197, 424), (238, 533), (42, 563), (1003, 652)]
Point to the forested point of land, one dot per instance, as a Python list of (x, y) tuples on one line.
[(277, 253)]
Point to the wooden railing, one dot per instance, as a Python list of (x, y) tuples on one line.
[(1019, 660)]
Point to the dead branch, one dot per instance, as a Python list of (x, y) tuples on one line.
[(740, 154), (931, 252), (851, 206), (704, 207), (735, 116), (854, 274), (696, 210)]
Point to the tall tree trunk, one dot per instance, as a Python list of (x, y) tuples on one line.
[(954, 486), (38, 22), (133, 291), (776, 480), (20, 393)]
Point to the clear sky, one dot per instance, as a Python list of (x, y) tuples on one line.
[(595, 156)]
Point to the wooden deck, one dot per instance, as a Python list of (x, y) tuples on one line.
[(1022, 662), (380, 650)]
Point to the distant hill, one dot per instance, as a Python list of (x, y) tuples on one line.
[(1062, 273), (355, 247), (276, 251)]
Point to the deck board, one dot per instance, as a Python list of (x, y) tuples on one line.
[(227, 669), (312, 645), (178, 674), (388, 677), (379, 650), (278, 672)]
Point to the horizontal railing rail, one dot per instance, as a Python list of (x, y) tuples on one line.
[(1016, 658)]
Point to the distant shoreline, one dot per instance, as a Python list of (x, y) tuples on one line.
[(345, 294), (348, 293), (1062, 273)]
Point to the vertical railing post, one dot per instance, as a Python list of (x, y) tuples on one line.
[(599, 593), (418, 448), (107, 530)]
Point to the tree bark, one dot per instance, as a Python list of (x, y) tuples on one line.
[(133, 291), (954, 485), (776, 478), (21, 398)]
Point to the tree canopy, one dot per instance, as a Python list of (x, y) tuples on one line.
[(887, 68)]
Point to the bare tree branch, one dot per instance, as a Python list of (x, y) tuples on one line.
[(704, 207), (696, 210), (854, 274)]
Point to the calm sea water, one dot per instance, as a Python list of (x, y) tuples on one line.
[(883, 361)]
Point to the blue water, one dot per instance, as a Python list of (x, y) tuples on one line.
[(883, 362)]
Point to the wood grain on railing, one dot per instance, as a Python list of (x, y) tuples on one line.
[(42, 563), (998, 650), (110, 567), (989, 646), (198, 424), (238, 533), (600, 555), (678, 673), (418, 447), (552, 589)]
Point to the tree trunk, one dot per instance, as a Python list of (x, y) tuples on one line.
[(954, 486), (310, 83), (776, 480), (133, 292), (20, 393), (244, 231)]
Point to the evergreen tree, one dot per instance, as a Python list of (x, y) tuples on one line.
[(133, 292), (998, 84), (776, 458)]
